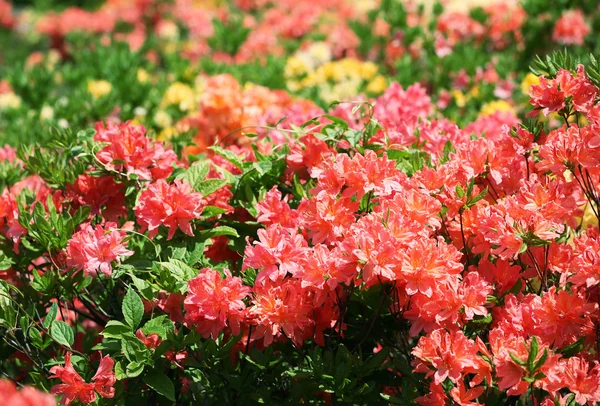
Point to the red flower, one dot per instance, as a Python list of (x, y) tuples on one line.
[(131, 152), (75, 388), (94, 249), (213, 303), (173, 206), (103, 195), (450, 354)]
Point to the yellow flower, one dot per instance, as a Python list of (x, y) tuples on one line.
[(494, 106), (179, 94), (529, 80), (474, 92), (319, 53), (377, 85), (199, 84), (368, 70), (53, 58), (142, 75), (9, 101), (589, 218), (362, 6), (168, 30), (459, 98), (163, 119), (295, 67), (294, 85), (166, 134), (189, 73), (99, 88)]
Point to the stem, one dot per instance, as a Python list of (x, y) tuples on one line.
[(464, 240)]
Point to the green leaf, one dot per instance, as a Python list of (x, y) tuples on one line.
[(477, 198), (160, 325), (196, 173), (573, 348), (119, 371), (161, 383), (460, 192), (533, 352), (220, 230), (134, 369), (115, 329), (377, 360), (523, 248), (51, 316), (541, 361), (42, 283), (5, 262), (7, 311), (262, 167), (179, 270), (230, 156), (210, 186), (212, 211), (517, 360), (36, 337), (62, 333), (134, 349), (133, 309)]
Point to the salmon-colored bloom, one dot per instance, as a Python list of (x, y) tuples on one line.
[(450, 354), (571, 28), (130, 151), (173, 206), (214, 303), (73, 387), (93, 249)]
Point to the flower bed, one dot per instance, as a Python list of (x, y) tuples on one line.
[(299, 203)]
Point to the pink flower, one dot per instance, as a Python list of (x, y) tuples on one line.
[(571, 28), (102, 194), (173, 206), (447, 355), (94, 249), (131, 152), (576, 375), (547, 96), (213, 302), (73, 387)]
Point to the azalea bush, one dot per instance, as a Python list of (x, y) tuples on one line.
[(334, 267), (258, 202)]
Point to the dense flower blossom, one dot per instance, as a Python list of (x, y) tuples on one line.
[(579, 376), (131, 152), (93, 249), (173, 206), (276, 253), (451, 355), (214, 303), (282, 308), (102, 195), (73, 387), (506, 348)]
